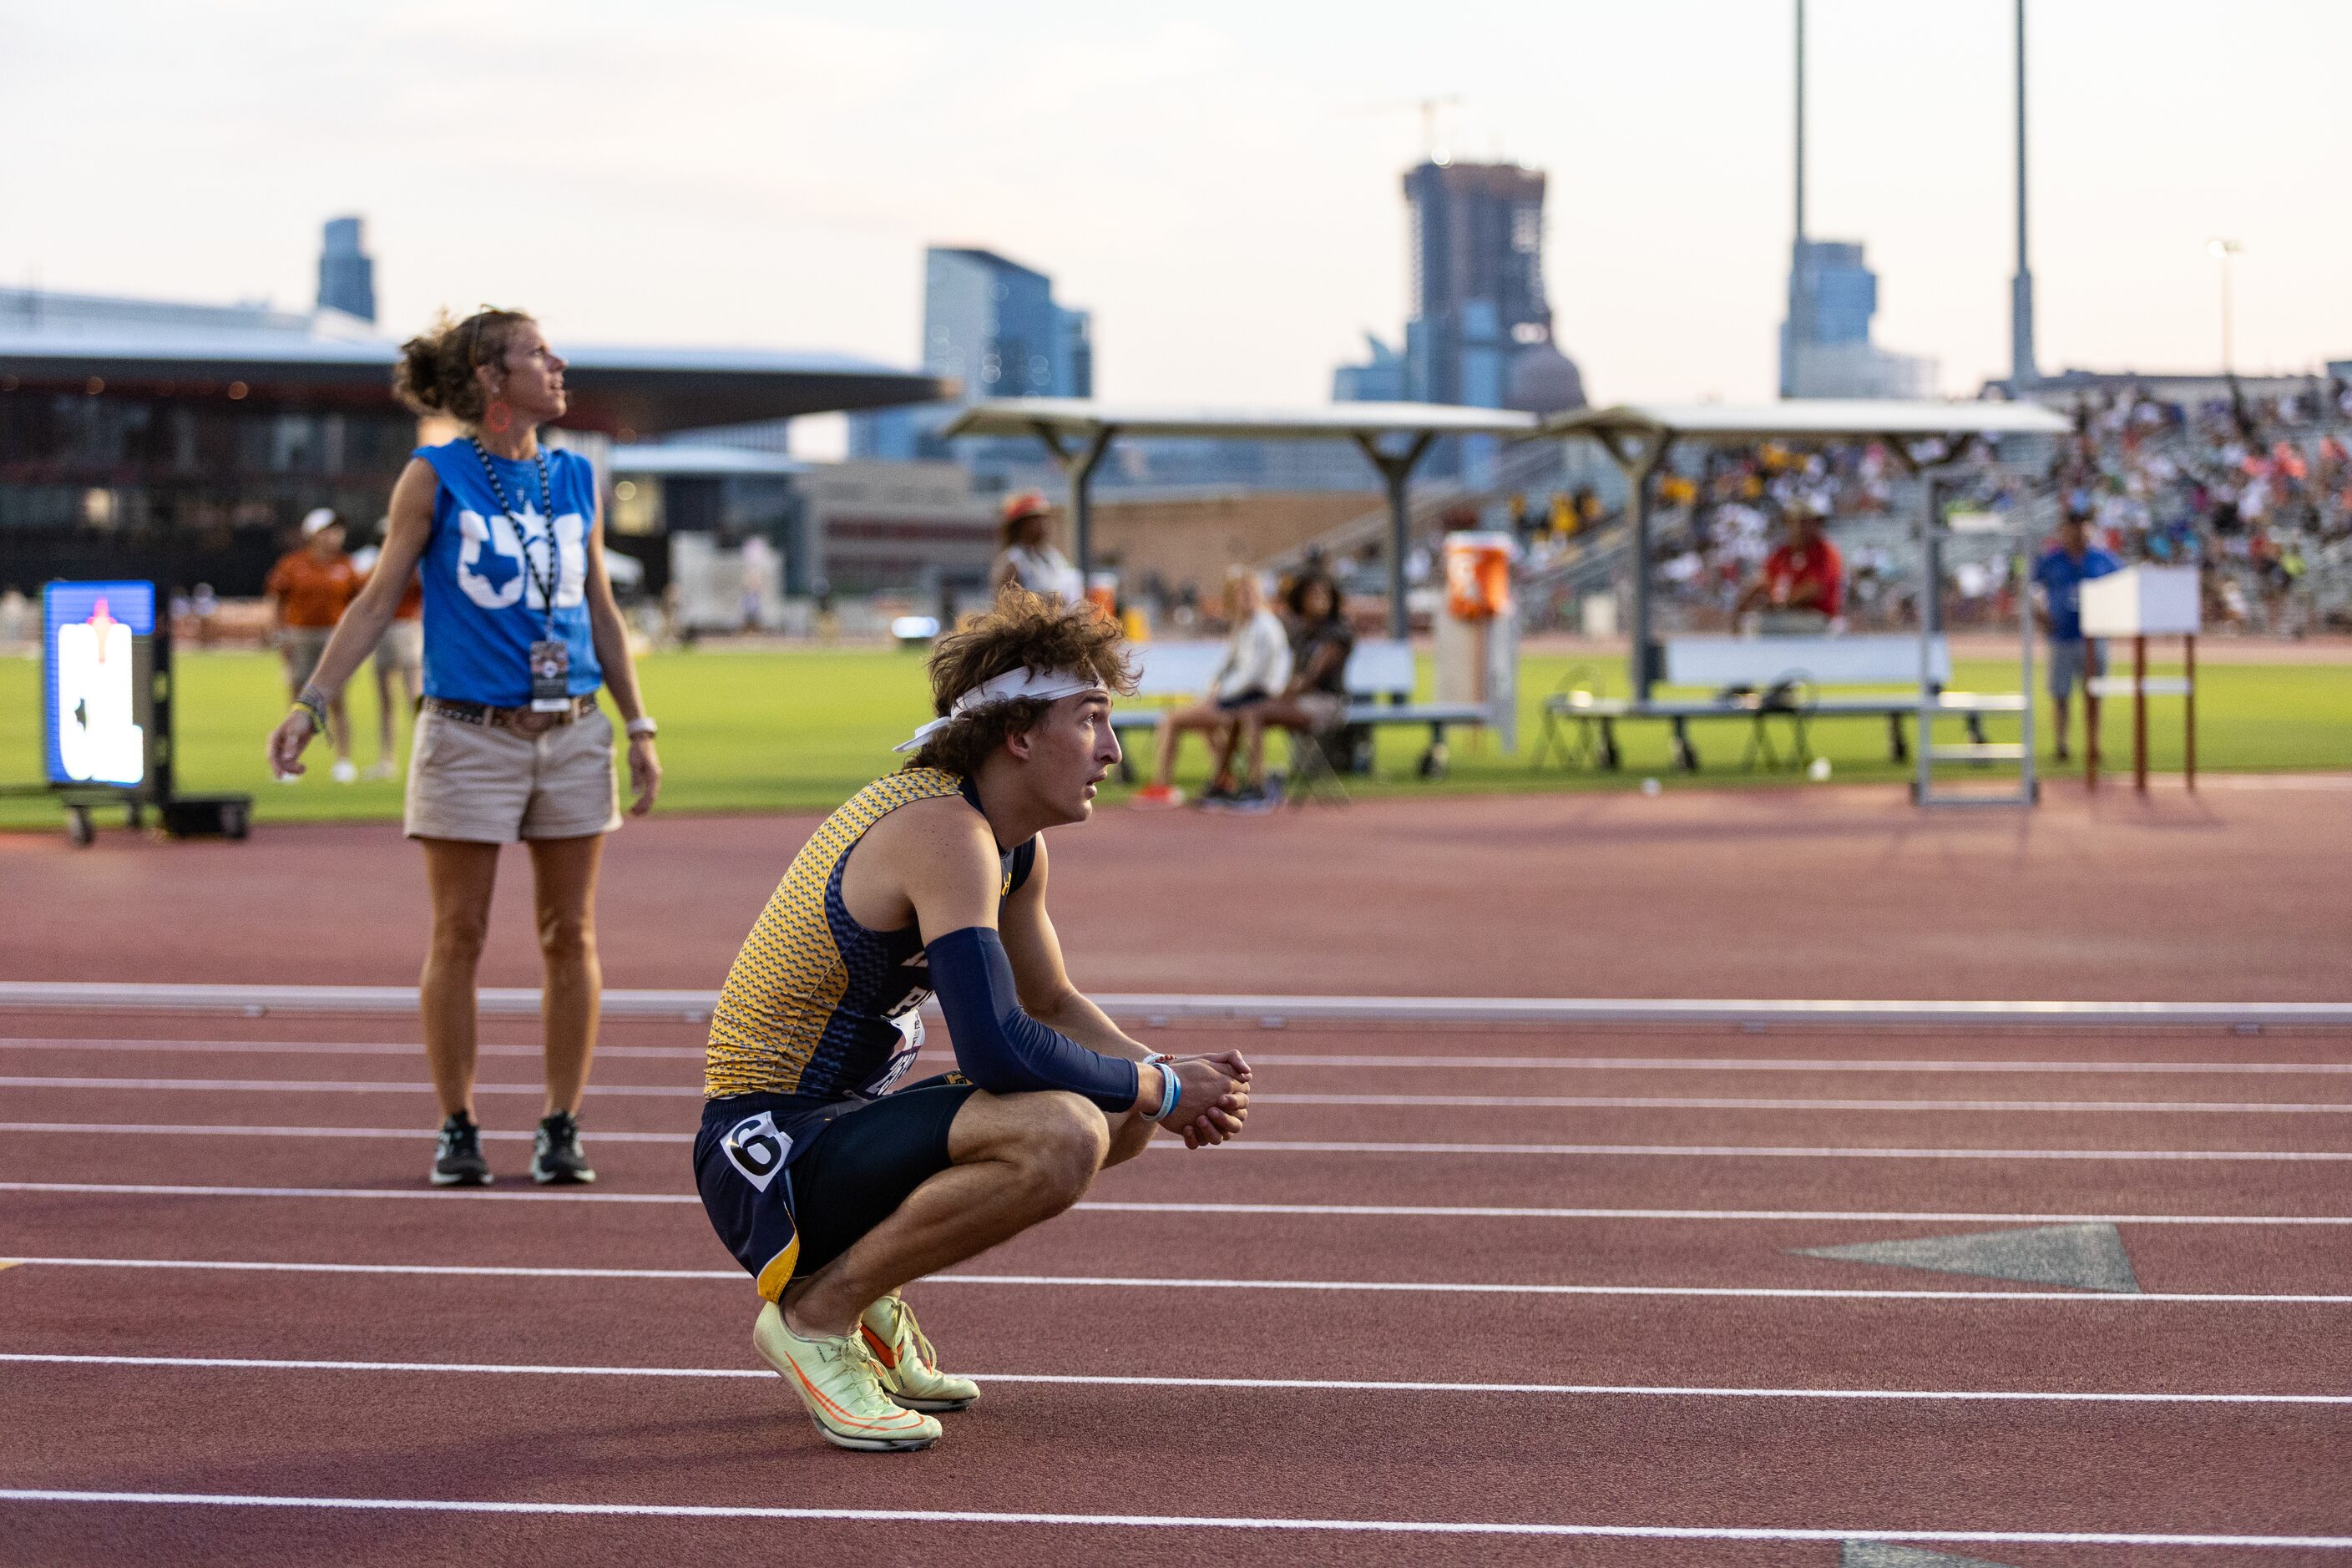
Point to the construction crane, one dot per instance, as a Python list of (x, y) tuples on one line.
[(1429, 107)]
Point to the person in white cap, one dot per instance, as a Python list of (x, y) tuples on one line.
[(832, 1184), (310, 589)]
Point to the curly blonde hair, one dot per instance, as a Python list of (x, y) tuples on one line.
[(1023, 630), (436, 371)]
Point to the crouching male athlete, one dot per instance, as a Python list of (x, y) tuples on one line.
[(831, 1187)]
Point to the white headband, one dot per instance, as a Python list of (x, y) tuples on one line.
[(1045, 686)]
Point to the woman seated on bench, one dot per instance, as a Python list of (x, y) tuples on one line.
[(1256, 663), (1315, 701)]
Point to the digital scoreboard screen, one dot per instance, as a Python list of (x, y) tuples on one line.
[(97, 652)]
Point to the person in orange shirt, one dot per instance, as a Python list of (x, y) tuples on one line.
[(310, 589)]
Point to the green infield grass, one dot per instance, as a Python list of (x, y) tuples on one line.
[(801, 730)]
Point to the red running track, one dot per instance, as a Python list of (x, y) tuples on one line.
[(1784, 1393)]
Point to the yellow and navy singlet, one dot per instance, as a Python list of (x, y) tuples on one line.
[(816, 1006)]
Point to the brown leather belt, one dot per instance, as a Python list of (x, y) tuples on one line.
[(522, 721)]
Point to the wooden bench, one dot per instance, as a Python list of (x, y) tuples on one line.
[(1761, 679), (1380, 677)]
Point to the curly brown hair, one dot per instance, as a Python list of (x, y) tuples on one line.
[(1023, 630), (436, 371)]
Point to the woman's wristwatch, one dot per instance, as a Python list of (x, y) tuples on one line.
[(641, 729)]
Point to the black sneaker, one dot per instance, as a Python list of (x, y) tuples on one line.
[(558, 1157), (457, 1161), (1255, 802)]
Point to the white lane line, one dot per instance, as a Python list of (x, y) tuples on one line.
[(1407, 1101), (1303, 1060), (1302, 1384), (324, 1048), (1336, 1211), (1765, 1152), (1786, 1064), (331, 1086), (1089, 1281), (207, 1129), (1296, 1146), (1672, 1103), (1179, 1522)]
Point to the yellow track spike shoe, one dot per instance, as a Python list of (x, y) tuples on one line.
[(840, 1382), (910, 1368)]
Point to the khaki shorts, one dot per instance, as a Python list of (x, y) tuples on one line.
[(402, 646), (489, 786), (303, 645)]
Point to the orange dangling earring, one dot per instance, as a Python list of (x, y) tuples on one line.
[(497, 419)]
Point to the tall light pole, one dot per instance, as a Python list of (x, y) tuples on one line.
[(2222, 250), (2022, 375)]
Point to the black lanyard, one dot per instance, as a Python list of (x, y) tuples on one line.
[(546, 585)]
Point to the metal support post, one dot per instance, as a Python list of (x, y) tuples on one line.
[(1080, 469), (2026, 765), (1931, 617), (1396, 474), (1638, 460), (2188, 710), (2139, 714)]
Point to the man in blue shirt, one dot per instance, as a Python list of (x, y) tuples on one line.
[(2060, 574)]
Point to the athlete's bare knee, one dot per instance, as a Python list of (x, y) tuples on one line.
[(1063, 1143)]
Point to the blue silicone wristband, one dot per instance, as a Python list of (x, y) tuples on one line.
[(1171, 1091)]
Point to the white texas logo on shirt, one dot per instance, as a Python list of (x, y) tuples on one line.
[(503, 578)]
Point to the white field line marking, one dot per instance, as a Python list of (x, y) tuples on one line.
[(1178, 1521), (329, 1085), (1294, 1146), (1088, 1281), (204, 1130), (1304, 1385), (1786, 1064), (1408, 1101), (1299, 1059), (1664, 1103), (1334, 1210), (324, 1048)]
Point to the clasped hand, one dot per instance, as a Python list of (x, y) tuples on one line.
[(1212, 1097)]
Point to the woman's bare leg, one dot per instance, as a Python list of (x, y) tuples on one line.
[(460, 877), (564, 892)]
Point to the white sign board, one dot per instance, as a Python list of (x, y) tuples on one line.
[(2141, 602)]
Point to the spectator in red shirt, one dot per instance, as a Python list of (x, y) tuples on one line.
[(1803, 584)]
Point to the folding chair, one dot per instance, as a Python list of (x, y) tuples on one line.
[(1313, 775)]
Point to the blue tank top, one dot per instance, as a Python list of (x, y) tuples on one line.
[(483, 604)]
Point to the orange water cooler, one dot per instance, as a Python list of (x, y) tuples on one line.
[(1478, 632)]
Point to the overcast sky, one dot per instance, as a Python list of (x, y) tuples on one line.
[(1218, 182)]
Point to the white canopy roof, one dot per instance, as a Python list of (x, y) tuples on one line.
[(1802, 419), (1082, 418)]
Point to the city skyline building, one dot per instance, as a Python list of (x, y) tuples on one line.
[(1825, 347), (992, 326), (346, 271), (1478, 330), (1477, 279)]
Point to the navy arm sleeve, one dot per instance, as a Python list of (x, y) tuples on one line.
[(1004, 1049)]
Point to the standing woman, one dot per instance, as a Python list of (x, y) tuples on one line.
[(521, 630), (1028, 559)]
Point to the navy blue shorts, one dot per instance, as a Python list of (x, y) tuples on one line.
[(789, 1186)]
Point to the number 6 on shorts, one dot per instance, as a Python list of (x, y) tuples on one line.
[(756, 1149)]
